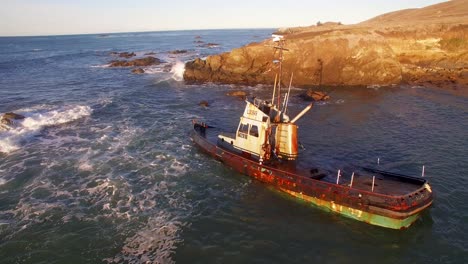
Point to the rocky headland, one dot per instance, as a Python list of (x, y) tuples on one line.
[(426, 46)]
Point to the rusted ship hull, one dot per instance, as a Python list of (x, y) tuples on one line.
[(386, 210)]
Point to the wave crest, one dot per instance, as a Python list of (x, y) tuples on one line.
[(178, 70), (35, 121)]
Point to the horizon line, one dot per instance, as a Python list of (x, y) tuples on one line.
[(123, 32)]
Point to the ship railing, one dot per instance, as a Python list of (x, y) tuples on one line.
[(358, 197), (334, 192)]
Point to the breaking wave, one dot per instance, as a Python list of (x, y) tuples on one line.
[(101, 66), (178, 70), (35, 121)]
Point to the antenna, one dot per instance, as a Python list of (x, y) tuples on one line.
[(274, 90), (279, 39), (286, 98)]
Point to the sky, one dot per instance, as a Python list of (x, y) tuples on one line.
[(59, 17)]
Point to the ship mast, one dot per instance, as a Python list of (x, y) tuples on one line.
[(279, 40)]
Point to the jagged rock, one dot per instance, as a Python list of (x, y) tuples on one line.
[(125, 54), (204, 103), (8, 120), (409, 46), (138, 71), (147, 61), (8, 117), (178, 51), (355, 59), (315, 95), (207, 45), (240, 94), (150, 53)]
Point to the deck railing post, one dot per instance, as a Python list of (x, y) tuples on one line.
[(422, 173), (352, 178), (373, 182), (338, 177)]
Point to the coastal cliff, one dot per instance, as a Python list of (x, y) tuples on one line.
[(426, 46)]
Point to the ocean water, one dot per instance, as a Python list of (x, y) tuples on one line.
[(102, 169)]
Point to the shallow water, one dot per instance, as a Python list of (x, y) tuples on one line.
[(102, 169)]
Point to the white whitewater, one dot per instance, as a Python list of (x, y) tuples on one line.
[(178, 70), (35, 121)]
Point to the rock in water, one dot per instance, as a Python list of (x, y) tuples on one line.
[(8, 120), (204, 103), (138, 71), (207, 45), (148, 61), (178, 52), (315, 95), (11, 115), (125, 54), (240, 94)]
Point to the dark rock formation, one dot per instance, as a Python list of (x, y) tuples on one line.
[(8, 120), (8, 117), (125, 54), (204, 103), (416, 46), (312, 95), (178, 51), (207, 45), (240, 94), (138, 71), (147, 61)]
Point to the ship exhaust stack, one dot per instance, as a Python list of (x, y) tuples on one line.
[(286, 141)]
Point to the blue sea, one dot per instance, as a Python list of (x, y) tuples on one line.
[(102, 169)]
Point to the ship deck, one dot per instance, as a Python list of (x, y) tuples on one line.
[(385, 183)]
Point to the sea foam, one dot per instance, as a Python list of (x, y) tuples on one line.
[(10, 140), (178, 70)]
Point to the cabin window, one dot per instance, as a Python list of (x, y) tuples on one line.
[(244, 128), (254, 131)]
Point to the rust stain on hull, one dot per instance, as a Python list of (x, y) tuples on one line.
[(389, 211)]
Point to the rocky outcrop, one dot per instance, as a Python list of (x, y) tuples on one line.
[(125, 54), (204, 103), (208, 45), (178, 52), (240, 94), (138, 71), (311, 95), (8, 120), (348, 59), (426, 46), (147, 61)]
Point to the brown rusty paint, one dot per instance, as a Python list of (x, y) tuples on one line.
[(358, 199), (294, 140)]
